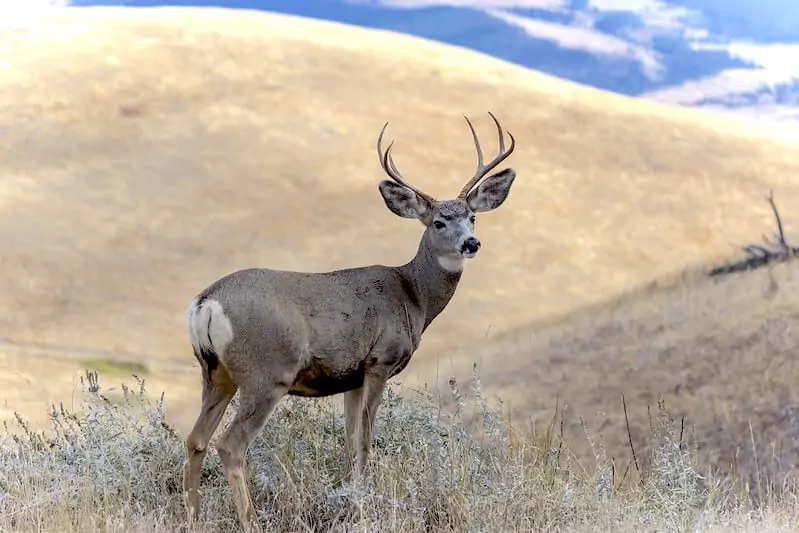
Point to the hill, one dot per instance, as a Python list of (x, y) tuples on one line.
[(719, 353), (147, 152), (717, 54), (585, 43)]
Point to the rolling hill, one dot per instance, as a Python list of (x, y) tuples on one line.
[(147, 152), (715, 54)]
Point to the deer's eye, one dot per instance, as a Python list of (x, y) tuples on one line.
[(439, 225)]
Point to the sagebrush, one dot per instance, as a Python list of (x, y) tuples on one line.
[(118, 466)]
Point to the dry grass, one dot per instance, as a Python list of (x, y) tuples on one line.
[(721, 352), (117, 468)]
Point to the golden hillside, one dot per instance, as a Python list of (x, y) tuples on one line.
[(720, 352), (146, 152)]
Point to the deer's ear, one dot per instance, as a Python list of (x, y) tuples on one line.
[(492, 192), (403, 202)]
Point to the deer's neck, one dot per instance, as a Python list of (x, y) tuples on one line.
[(431, 281)]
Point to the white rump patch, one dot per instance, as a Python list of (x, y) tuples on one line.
[(209, 327), (451, 263)]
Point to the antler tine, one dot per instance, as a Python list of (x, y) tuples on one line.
[(482, 169), (476, 142), (390, 168)]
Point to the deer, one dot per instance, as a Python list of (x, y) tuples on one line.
[(268, 333)]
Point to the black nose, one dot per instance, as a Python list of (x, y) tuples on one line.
[(471, 245)]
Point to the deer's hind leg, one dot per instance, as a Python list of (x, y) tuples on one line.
[(217, 392), (255, 406)]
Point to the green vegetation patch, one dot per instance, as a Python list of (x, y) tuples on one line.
[(116, 368)]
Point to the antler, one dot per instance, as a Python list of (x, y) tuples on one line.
[(482, 169), (387, 162)]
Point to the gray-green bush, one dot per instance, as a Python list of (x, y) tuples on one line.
[(118, 467)]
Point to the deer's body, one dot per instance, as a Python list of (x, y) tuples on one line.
[(319, 333), (269, 333)]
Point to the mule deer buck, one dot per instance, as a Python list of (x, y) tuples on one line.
[(267, 333)]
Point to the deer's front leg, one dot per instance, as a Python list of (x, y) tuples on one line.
[(352, 413), (371, 394)]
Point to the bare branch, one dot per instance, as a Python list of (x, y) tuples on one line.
[(781, 235), (759, 255), (630, 434)]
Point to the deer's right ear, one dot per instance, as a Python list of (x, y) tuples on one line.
[(403, 202)]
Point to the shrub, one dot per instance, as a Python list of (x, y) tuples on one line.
[(118, 467)]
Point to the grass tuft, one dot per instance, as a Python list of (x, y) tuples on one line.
[(118, 467)]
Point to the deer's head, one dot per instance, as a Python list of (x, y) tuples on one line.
[(450, 223)]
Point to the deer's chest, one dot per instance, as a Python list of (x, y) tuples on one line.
[(326, 378), (397, 364), (396, 350)]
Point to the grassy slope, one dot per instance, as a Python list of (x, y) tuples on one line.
[(145, 153), (105, 468), (722, 353)]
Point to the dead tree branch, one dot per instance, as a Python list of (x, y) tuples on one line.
[(774, 251)]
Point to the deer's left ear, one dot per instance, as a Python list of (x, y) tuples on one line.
[(491, 192)]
